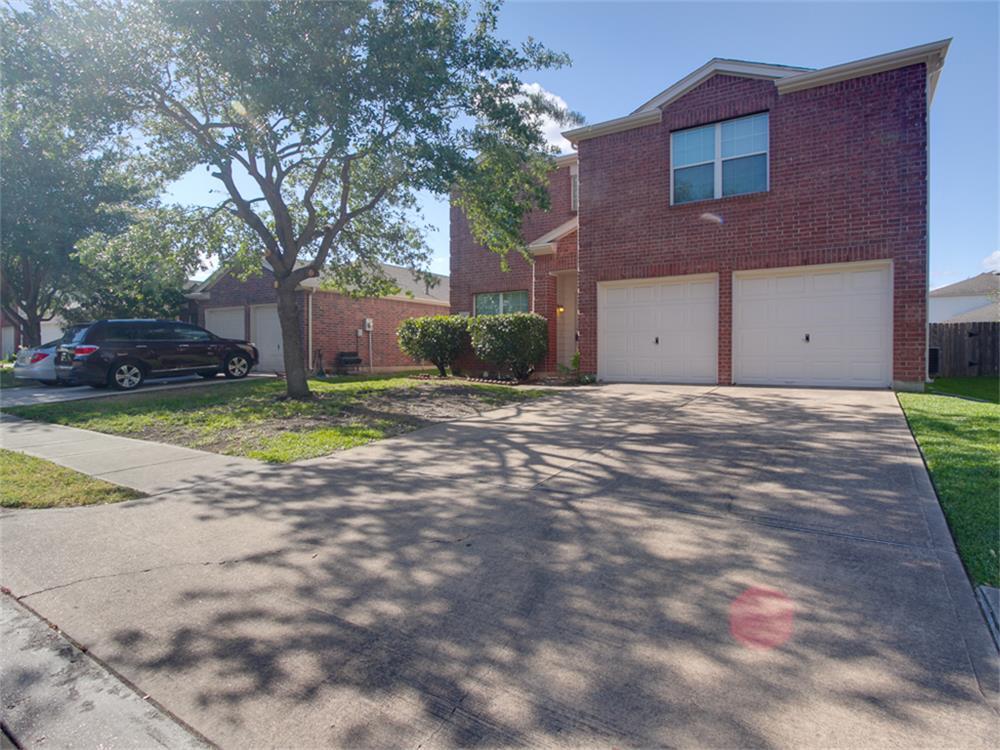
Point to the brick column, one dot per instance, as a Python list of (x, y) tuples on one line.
[(725, 326)]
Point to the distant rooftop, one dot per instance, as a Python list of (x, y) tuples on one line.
[(984, 283)]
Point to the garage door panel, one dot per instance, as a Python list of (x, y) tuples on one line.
[(672, 335), (847, 315), (266, 331), (227, 322)]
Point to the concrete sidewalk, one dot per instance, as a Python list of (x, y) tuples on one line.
[(54, 695), (149, 467), (29, 395)]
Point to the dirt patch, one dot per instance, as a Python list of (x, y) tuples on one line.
[(393, 412), (423, 405)]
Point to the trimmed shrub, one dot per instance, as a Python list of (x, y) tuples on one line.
[(515, 342), (436, 338)]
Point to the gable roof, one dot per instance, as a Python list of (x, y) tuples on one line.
[(717, 66), (546, 244), (989, 313), (410, 288), (786, 78), (984, 283)]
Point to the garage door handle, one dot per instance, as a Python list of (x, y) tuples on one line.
[(656, 340), (807, 338)]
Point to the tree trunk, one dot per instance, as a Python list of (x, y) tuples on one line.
[(291, 341), (31, 331)]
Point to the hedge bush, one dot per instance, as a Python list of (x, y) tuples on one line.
[(515, 342), (436, 338)]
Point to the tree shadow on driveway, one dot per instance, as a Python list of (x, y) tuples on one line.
[(555, 574)]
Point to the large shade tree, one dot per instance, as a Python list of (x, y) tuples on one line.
[(322, 121), (64, 175)]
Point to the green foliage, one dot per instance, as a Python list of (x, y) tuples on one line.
[(323, 120), (985, 388), (248, 419), (29, 482), (515, 342), (439, 339), (141, 272), (960, 440), (65, 175)]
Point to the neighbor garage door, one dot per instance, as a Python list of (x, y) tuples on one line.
[(827, 326), (265, 330), (661, 330), (226, 322)]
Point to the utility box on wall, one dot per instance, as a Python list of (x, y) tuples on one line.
[(369, 324)]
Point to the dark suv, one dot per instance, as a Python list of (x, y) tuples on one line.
[(123, 353)]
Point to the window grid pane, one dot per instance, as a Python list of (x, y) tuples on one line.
[(515, 302), (744, 175), (748, 135), (693, 146), (694, 183), (487, 304)]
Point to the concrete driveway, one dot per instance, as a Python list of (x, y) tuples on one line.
[(618, 566)]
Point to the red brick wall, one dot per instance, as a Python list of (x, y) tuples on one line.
[(336, 318), (848, 182), (475, 269)]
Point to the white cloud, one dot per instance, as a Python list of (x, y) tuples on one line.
[(992, 261), (550, 128)]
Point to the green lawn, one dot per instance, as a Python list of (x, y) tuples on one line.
[(250, 419), (961, 442), (985, 389), (7, 376), (29, 482)]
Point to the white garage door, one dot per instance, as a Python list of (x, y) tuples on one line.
[(658, 330), (51, 331), (829, 326), (265, 330), (7, 342), (226, 322)]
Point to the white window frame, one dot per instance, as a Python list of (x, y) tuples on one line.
[(574, 188), (717, 161), (475, 300)]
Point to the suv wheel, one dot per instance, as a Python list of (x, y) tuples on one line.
[(237, 366), (125, 376)]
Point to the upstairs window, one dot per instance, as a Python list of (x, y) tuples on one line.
[(500, 303), (719, 160)]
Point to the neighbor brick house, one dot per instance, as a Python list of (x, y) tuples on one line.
[(751, 224), (330, 322)]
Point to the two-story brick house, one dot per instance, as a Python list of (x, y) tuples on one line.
[(751, 224)]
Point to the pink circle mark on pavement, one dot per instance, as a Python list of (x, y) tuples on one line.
[(761, 618)]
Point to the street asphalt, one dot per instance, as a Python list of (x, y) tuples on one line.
[(616, 566)]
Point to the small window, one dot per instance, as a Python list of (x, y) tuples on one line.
[(124, 331), (719, 160), (574, 188), (499, 303), (187, 332)]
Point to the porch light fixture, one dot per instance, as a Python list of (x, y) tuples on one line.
[(560, 309)]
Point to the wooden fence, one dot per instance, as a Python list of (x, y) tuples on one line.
[(960, 349)]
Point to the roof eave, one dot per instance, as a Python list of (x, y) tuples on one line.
[(613, 126), (932, 54), (716, 66)]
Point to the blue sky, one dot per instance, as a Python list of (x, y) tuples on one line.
[(625, 53)]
